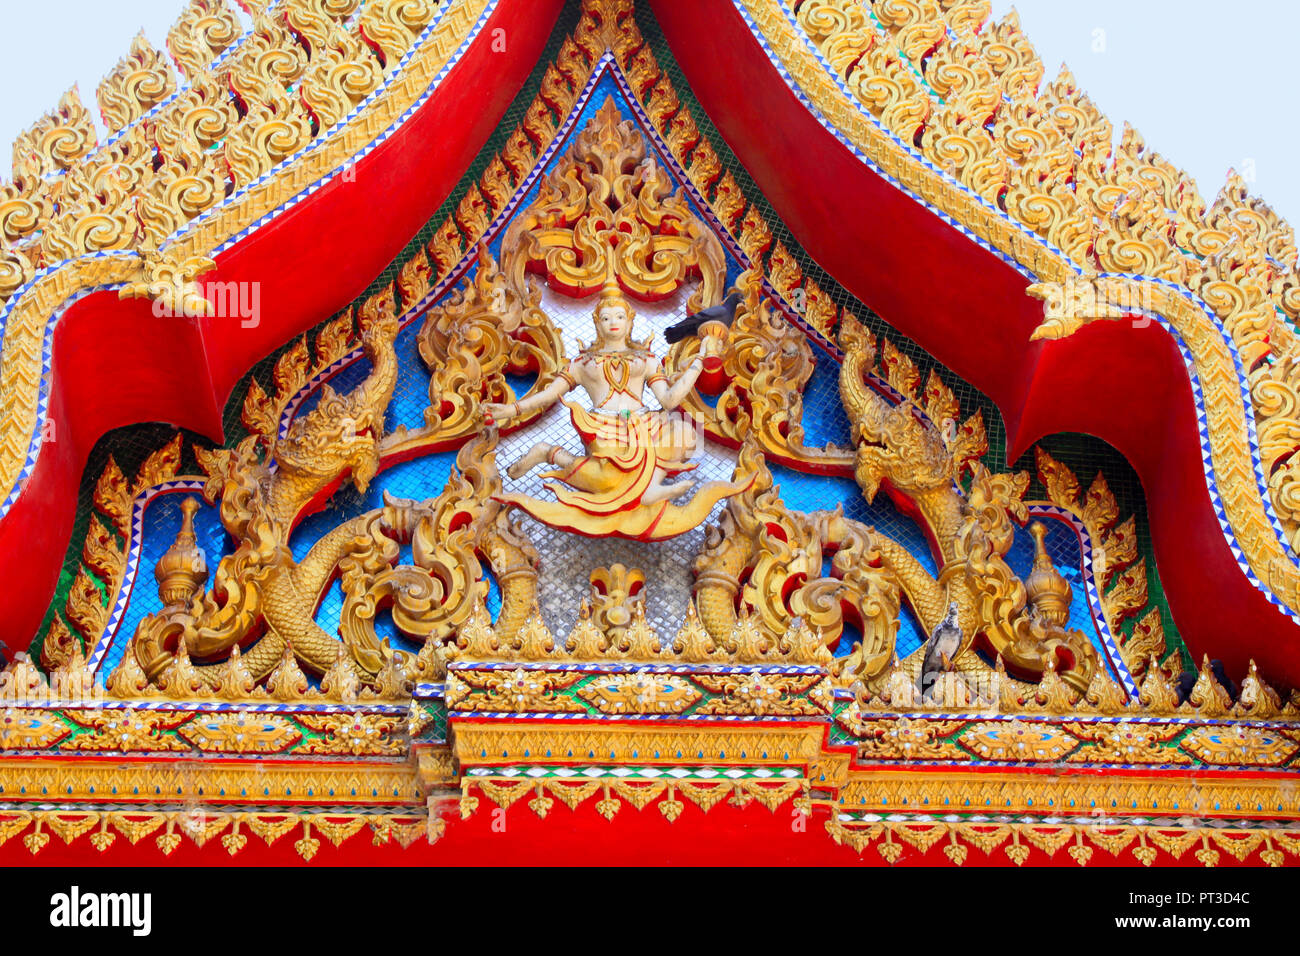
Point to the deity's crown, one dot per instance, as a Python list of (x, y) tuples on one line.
[(611, 293)]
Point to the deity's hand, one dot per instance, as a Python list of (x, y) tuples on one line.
[(496, 412)]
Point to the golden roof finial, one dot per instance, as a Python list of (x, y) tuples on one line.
[(1048, 591), (182, 571)]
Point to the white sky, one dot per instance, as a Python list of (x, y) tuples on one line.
[(1210, 84), (48, 45)]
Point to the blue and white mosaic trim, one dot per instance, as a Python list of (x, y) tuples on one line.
[(648, 773), (212, 707), (614, 667), (652, 718), (1091, 819)]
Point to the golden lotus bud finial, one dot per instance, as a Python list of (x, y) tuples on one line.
[(1048, 591), (183, 570)]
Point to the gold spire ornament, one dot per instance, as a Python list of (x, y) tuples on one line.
[(1048, 592), (183, 570)]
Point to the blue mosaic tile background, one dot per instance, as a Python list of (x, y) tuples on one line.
[(824, 420)]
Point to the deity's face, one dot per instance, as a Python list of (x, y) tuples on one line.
[(612, 322)]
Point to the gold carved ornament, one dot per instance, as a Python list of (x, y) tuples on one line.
[(606, 212), (1257, 696), (764, 356), (260, 594), (963, 64), (493, 326), (338, 438), (486, 331), (974, 530), (605, 219)]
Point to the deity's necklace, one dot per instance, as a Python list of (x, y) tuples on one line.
[(617, 371)]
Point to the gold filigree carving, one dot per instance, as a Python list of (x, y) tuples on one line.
[(205, 30), (606, 213), (973, 531), (515, 691), (139, 81), (355, 734), (640, 693), (240, 733), (1045, 157)]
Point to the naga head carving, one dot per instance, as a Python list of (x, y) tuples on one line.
[(894, 445), (341, 435), (894, 442)]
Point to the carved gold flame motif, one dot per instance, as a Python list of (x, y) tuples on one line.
[(607, 212)]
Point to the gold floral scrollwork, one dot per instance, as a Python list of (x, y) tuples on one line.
[(1240, 745), (1127, 743), (614, 592), (640, 693), (606, 212), (765, 695), (766, 363), (140, 80), (904, 738), (487, 330), (240, 733), (520, 690), (391, 26), (56, 141), (30, 729), (354, 734), (128, 730), (1017, 740), (203, 32)]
